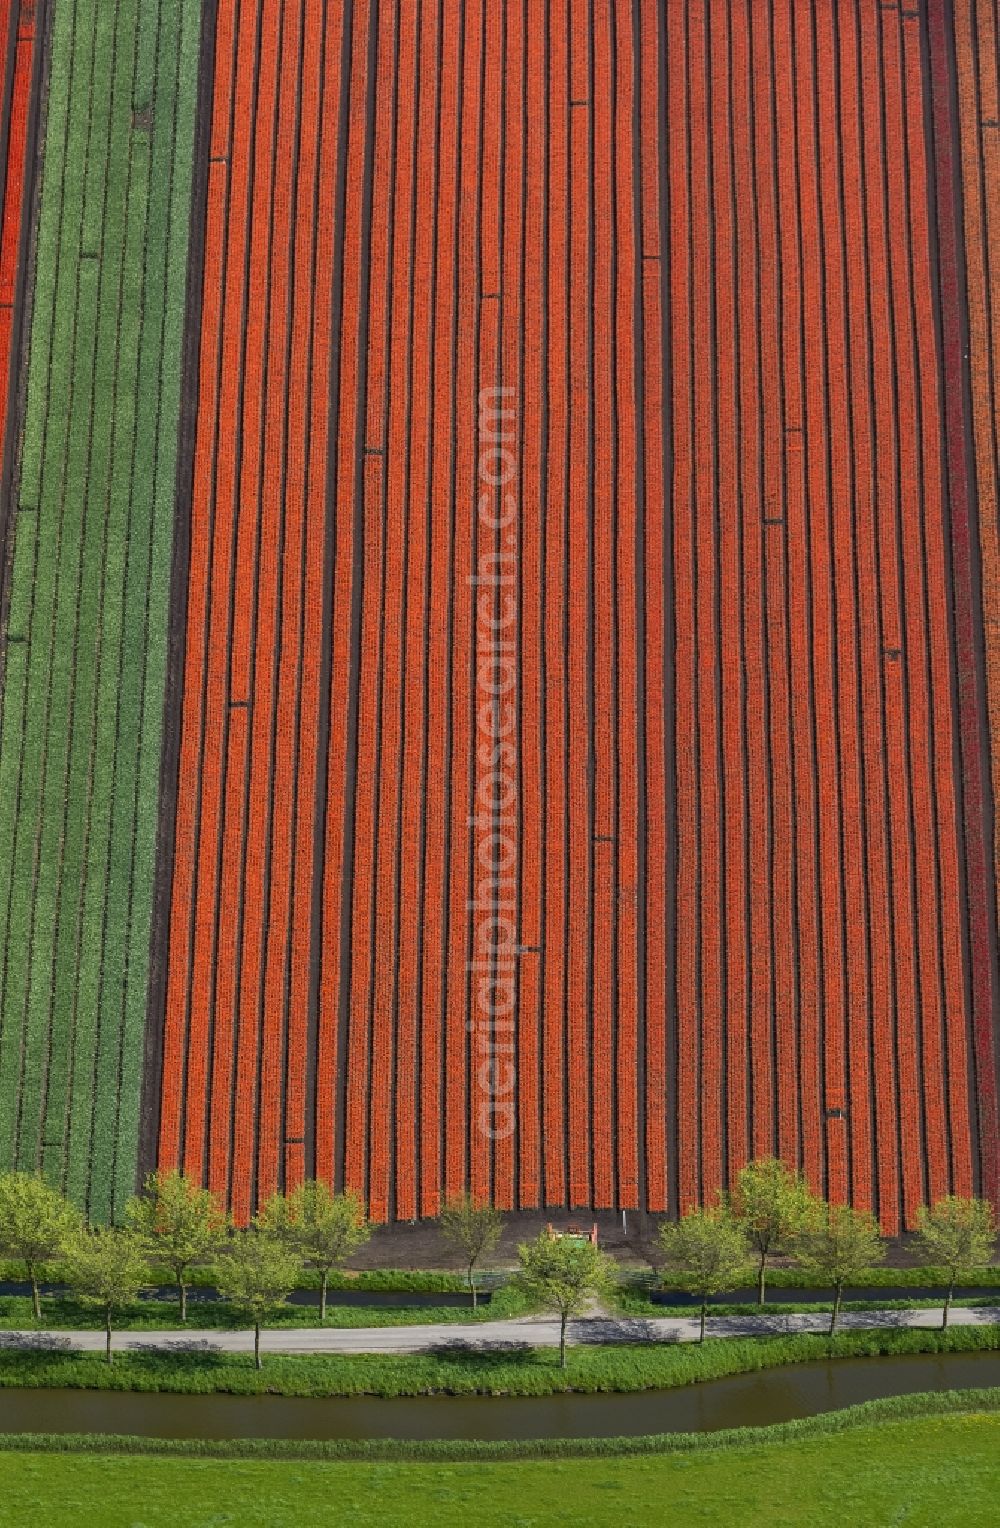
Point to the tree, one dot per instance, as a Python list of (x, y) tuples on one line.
[(37, 1224), (958, 1235), (180, 1224), (710, 1252), (473, 1227), (773, 1205), (320, 1227), (840, 1245), (107, 1267), (256, 1273), (562, 1275)]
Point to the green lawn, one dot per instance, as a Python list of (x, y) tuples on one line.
[(935, 1471), (86, 637)]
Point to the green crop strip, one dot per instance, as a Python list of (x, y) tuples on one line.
[(86, 638)]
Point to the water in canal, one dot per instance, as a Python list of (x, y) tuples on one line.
[(773, 1395)]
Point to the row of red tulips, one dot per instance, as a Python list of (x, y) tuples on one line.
[(20, 72), (788, 324), (978, 72)]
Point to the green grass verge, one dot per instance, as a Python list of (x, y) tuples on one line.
[(867, 1468), (378, 1280), (631, 1303), (157, 1315), (922, 1276), (64, 1313), (82, 712), (457, 1370), (381, 1280)]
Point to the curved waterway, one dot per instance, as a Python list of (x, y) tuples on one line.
[(744, 1400)]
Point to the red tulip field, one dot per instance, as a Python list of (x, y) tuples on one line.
[(18, 40), (581, 719), (822, 1006)]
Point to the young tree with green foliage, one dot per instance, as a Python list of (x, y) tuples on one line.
[(563, 1275), (773, 1205), (257, 1273), (107, 1267), (840, 1245), (473, 1227), (320, 1227), (958, 1235), (37, 1224), (180, 1224), (709, 1252)]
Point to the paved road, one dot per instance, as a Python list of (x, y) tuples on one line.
[(530, 1331)]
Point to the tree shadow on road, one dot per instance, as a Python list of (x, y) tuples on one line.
[(618, 1329), (875, 1320), (488, 1355), (184, 1347), (35, 1342)]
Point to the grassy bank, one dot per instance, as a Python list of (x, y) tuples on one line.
[(377, 1280), (899, 1408), (922, 1276), (69, 1315), (633, 1303), (66, 1314), (939, 1465), (457, 1370)]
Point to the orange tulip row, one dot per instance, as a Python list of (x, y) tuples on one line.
[(508, 1171), (434, 912), (249, 814), (579, 435), (685, 597), (203, 992), (240, 805), (814, 548), (483, 1153), (290, 598), (724, 1121), (783, 428), (976, 40), (818, 969), (298, 702), (529, 311), (397, 877), (463, 1022), (939, 988), (420, 686), (654, 510), (331, 1063), (818, 871), (604, 582), (628, 959), (839, 739), (368, 1060), (792, 825), (242, 918), (559, 890)]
